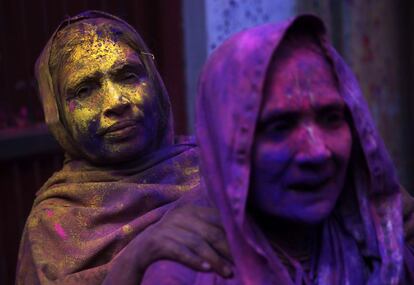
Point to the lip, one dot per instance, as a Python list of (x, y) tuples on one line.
[(308, 185), (120, 130)]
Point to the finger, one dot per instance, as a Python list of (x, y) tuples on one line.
[(203, 221), (204, 250), (178, 252), (210, 215), (214, 235), (222, 247), (190, 212)]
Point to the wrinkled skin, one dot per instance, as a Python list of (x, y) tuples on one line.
[(303, 141), (108, 100)]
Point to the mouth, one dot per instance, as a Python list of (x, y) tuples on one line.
[(308, 185), (120, 130)]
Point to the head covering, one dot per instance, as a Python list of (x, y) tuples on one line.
[(84, 215), (361, 242), (49, 93)]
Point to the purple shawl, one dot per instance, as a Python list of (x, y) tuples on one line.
[(361, 243)]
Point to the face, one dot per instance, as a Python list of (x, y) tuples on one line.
[(303, 141), (109, 102)]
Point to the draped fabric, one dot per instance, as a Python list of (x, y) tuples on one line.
[(362, 240), (85, 214)]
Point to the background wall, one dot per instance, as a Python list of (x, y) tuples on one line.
[(375, 39)]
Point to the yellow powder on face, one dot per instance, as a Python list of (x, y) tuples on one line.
[(94, 55), (104, 51), (84, 116), (90, 89)]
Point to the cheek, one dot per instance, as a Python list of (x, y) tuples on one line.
[(269, 168), (81, 121), (136, 95), (73, 105), (341, 144), (147, 99), (140, 94), (271, 159)]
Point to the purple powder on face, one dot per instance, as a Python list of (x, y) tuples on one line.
[(360, 242)]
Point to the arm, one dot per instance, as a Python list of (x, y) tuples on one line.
[(190, 235), (168, 272)]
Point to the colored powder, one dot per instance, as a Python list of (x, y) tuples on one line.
[(60, 231)]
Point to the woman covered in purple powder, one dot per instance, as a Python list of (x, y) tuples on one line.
[(292, 159)]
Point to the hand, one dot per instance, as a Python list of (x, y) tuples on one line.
[(191, 235)]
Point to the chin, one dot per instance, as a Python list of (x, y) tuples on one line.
[(311, 219), (119, 152), (315, 214), (306, 215)]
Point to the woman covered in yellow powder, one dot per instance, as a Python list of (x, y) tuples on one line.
[(118, 203)]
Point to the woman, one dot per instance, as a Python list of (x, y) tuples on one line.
[(291, 157), (118, 202)]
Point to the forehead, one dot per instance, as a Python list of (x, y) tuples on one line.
[(300, 77), (94, 54)]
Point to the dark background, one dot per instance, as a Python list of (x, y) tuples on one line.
[(28, 155), (374, 36)]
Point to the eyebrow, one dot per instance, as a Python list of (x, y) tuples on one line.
[(132, 64), (94, 77), (280, 115), (339, 106), (117, 67), (292, 113)]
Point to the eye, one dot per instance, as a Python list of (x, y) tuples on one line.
[(279, 126), (83, 91), (129, 78), (332, 118)]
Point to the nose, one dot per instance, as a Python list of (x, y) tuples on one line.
[(312, 147), (117, 109), (116, 105)]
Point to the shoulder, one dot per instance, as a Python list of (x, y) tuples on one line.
[(169, 273)]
